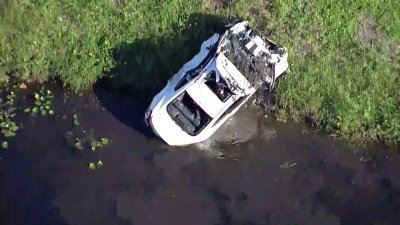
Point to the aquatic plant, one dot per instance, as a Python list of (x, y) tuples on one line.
[(79, 142), (86, 140), (4, 144), (100, 164), (76, 120), (100, 143), (8, 126), (42, 103), (81, 139), (94, 166)]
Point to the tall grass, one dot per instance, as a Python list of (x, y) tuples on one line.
[(340, 83), (74, 39)]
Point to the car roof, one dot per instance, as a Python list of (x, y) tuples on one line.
[(206, 99)]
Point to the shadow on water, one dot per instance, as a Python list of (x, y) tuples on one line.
[(294, 176), (143, 67), (130, 111)]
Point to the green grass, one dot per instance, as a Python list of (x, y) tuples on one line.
[(345, 84), (340, 83), (76, 40)]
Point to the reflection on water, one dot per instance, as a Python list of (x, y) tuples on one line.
[(262, 172)]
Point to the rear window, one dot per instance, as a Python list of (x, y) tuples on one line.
[(185, 112)]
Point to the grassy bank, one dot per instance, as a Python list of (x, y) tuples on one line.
[(81, 41), (344, 55), (345, 60)]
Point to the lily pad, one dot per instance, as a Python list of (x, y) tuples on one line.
[(104, 141), (76, 120), (92, 166), (94, 145), (35, 110), (14, 128), (4, 145), (8, 133), (79, 144), (100, 164)]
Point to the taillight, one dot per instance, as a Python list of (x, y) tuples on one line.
[(148, 117)]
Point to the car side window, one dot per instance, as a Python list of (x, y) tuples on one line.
[(185, 79)]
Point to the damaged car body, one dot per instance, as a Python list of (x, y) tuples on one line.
[(214, 84)]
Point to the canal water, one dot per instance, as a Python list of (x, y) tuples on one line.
[(279, 174)]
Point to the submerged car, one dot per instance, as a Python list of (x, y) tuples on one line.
[(214, 84)]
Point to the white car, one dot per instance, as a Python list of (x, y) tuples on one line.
[(213, 85)]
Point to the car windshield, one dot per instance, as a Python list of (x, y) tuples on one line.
[(187, 114), (218, 85)]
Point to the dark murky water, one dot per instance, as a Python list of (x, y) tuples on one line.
[(287, 174)]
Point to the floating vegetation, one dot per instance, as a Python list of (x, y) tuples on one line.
[(76, 120), (43, 103), (87, 140), (101, 143), (8, 126), (100, 164), (4, 145), (79, 143), (22, 86), (81, 140), (94, 166)]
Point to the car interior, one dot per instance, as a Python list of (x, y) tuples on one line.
[(218, 86), (187, 114)]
